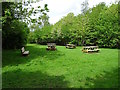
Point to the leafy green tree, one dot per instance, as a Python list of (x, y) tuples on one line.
[(85, 21), (41, 35), (108, 27), (14, 13), (94, 26), (15, 36), (45, 21), (92, 36)]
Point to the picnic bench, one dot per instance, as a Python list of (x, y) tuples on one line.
[(23, 52), (51, 46), (70, 46), (89, 49)]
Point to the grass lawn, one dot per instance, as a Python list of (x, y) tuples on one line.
[(62, 68)]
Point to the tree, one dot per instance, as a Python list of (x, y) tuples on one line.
[(45, 21), (15, 36), (14, 13), (85, 7), (108, 27), (95, 26), (94, 15), (85, 21)]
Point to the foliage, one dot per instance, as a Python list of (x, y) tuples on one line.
[(94, 26), (41, 35), (14, 17), (16, 35)]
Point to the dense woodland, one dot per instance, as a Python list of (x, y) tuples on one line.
[(94, 26), (97, 26)]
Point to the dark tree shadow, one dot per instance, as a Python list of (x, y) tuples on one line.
[(14, 57), (21, 79), (42, 52), (108, 80)]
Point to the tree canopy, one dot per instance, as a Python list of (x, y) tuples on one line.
[(94, 26), (16, 16)]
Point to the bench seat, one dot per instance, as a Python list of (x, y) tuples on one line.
[(26, 52), (23, 52)]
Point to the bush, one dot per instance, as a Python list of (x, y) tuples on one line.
[(16, 35)]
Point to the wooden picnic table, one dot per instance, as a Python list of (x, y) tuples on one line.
[(88, 49), (51, 46)]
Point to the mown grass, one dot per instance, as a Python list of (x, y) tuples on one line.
[(62, 68)]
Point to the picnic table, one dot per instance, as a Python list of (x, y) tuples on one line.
[(88, 49), (51, 46), (70, 46)]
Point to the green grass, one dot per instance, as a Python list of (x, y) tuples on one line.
[(62, 68)]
